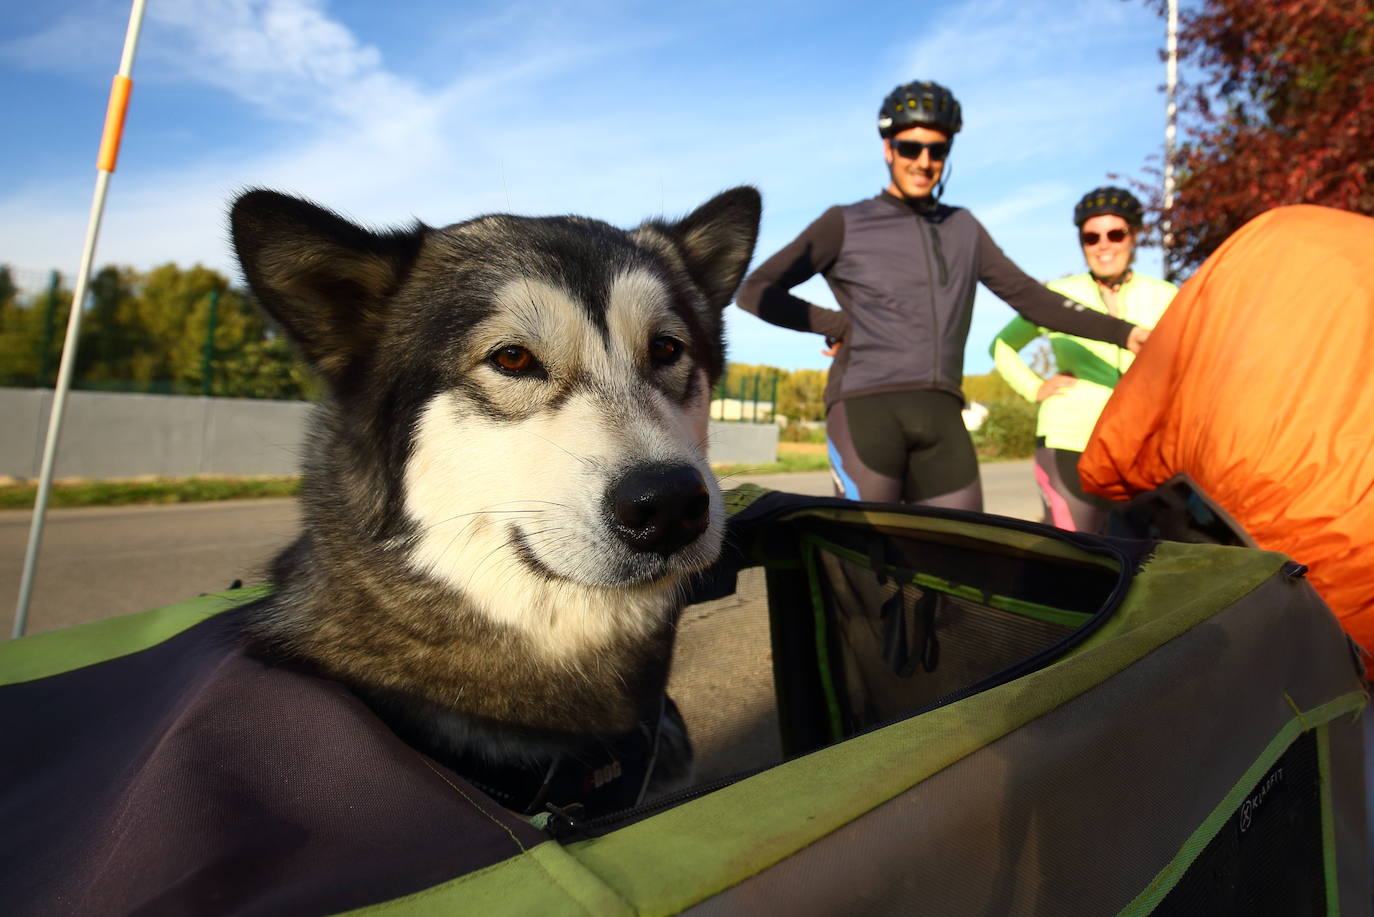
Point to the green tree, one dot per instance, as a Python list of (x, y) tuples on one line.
[(989, 388), (8, 291), (148, 332), (265, 366), (108, 341), (31, 333), (801, 394)]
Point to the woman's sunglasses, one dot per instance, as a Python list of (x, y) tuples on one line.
[(911, 149), (1092, 238)]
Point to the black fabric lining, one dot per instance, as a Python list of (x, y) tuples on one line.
[(1267, 860), (193, 778)]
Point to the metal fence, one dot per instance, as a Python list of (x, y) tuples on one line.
[(203, 341), (188, 332), (748, 399)]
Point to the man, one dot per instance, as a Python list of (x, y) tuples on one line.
[(904, 268)]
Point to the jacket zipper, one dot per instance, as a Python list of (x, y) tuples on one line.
[(921, 230)]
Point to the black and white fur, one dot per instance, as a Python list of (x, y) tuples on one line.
[(506, 486)]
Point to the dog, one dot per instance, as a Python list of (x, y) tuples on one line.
[(505, 490)]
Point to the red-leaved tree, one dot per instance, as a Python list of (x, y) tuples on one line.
[(1281, 112)]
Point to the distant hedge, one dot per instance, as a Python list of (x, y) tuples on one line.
[(1008, 432)]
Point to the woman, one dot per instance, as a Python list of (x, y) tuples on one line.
[(1108, 221)]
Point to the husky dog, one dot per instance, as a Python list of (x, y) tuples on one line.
[(506, 486)]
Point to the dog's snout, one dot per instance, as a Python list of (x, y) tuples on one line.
[(661, 508)]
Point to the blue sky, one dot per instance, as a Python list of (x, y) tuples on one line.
[(619, 110)]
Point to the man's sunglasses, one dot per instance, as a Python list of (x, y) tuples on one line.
[(911, 149), (1092, 238)]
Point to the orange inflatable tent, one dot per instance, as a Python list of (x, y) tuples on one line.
[(1257, 385)]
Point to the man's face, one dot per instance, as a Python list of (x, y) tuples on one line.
[(1107, 257), (917, 177)]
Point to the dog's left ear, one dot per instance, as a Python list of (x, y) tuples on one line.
[(325, 280), (717, 240)]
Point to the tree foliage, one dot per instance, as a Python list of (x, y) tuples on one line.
[(152, 332), (1282, 112), (31, 330), (801, 394), (797, 394)]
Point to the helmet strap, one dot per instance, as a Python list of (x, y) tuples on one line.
[(940, 187)]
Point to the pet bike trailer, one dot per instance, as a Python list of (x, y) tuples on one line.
[(973, 716)]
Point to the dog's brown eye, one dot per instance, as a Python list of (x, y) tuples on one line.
[(514, 359), (665, 351)]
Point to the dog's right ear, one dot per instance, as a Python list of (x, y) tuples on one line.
[(324, 279)]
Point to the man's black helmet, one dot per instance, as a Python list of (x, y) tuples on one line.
[(1108, 199), (922, 104)]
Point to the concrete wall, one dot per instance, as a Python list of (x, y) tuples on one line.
[(108, 435), (744, 443)]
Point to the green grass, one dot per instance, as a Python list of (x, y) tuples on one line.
[(159, 490), (791, 457)]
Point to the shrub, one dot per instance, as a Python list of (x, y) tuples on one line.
[(802, 433), (1008, 432)]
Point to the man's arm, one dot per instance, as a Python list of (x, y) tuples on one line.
[(1043, 306), (765, 292)]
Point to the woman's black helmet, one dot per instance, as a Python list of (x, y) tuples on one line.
[(921, 103), (1108, 199)]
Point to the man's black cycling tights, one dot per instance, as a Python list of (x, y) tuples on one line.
[(904, 447)]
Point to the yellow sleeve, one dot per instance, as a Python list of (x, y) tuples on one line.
[(1006, 358)]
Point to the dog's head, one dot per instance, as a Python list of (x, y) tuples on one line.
[(517, 405)]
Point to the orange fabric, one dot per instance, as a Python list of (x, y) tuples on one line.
[(1257, 384)]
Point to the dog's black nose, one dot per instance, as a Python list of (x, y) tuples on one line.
[(659, 508)]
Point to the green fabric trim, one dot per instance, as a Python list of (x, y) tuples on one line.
[(1318, 717), (742, 497), (44, 655), (686, 854), (1060, 616), (813, 582), (968, 593), (1012, 538), (1333, 892), (541, 880)]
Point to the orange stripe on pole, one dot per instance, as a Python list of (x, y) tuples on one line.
[(114, 123)]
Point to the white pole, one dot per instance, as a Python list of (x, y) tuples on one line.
[(1170, 116), (105, 165)]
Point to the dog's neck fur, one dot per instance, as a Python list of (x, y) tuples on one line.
[(419, 653)]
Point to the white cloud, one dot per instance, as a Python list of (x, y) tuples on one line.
[(84, 39), (538, 108), (285, 56), (1028, 200)]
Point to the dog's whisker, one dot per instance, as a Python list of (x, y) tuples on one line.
[(581, 458), (471, 520)]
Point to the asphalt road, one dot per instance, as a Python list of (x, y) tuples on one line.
[(101, 562), (105, 561)]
